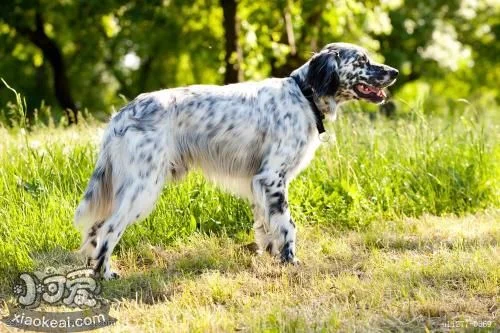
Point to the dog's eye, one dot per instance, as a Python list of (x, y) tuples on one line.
[(363, 59)]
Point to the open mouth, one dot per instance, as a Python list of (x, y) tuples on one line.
[(371, 93)]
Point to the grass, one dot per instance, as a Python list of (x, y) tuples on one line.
[(375, 255), (400, 276)]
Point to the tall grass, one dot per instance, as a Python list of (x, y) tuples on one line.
[(406, 167), (383, 169)]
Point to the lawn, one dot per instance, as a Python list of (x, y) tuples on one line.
[(398, 229)]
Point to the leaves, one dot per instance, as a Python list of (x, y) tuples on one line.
[(182, 42)]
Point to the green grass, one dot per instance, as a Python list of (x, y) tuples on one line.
[(185, 267)]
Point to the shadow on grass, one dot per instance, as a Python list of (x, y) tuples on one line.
[(159, 273), (149, 274)]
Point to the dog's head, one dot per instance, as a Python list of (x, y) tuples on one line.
[(345, 72)]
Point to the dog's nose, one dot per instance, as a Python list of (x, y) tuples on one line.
[(393, 73)]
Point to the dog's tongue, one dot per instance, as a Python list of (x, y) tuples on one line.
[(372, 90)]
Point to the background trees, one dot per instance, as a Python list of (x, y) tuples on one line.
[(75, 55)]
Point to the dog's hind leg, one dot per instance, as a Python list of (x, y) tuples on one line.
[(135, 202)]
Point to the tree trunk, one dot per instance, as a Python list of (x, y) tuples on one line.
[(52, 52), (231, 30)]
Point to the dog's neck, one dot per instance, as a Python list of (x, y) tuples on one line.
[(322, 106)]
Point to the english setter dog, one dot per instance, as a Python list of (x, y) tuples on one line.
[(252, 138)]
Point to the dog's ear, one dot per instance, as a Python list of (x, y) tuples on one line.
[(322, 75)]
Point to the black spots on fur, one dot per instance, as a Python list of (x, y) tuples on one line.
[(99, 173), (269, 248), (95, 227), (150, 158), (118, 115), (295, 95), (287, 254), (271, 105), (93, 243), (211, 103), (223, 119), (141, 127), (103, 250), (278, 124), (292, 223), (137, 216), (120, 190), (101, 256), (350, 76), (137, 191), (88, 194), (111, 229), (119, 132), (277, 204), (173, 172), (144, 143), (263, 135), (147, 110), (277, 194), (284, 232), (211, 134)]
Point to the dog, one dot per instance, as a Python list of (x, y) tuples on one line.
[(252, 138)]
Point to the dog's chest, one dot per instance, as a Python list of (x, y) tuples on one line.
[(303, 156)]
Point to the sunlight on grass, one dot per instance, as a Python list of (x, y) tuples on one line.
[(374, 254)]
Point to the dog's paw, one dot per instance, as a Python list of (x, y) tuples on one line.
[(287, 255), (110, 276)]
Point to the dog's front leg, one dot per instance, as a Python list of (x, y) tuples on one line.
[(275, 230)]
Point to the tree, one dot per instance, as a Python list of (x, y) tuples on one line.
[(232, 56), (28, 20), (52, 52)]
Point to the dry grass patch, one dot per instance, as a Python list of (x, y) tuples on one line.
[(396, 276)]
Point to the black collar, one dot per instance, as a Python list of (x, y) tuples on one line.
[(308, 94)]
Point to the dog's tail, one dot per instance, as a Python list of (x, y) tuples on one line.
[(97, 202)]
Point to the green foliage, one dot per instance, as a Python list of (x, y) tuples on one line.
[(114, 48)]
